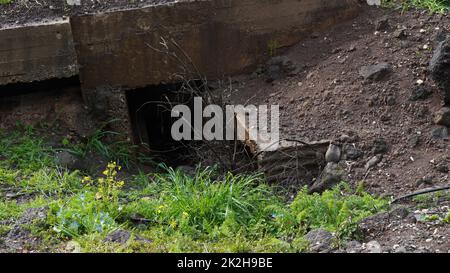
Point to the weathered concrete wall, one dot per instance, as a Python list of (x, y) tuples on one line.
[(133, 48), (213, 37), (37, 52)]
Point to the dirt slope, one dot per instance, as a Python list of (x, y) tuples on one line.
[(323, 96)]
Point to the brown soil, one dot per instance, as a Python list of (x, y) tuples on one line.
[(328, 99), (29, 11)]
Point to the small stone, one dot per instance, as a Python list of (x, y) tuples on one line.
[(420, 93), (400, 33), (118, 236), (442, 167), (375, 72), (353, 247), (400, 249), (68, 160), (440, 132), (73, 247), (380, 146), (331, 175), (442, 117), (333, 154), (320, 240), (351, 152), (382, 24), (373, 247), (280, 67), (414, 141), (373, 162), (399, 213), (426, 180)]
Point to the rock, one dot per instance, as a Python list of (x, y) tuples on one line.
[(73, 2), (400, 249), (442, 167), (440, 36), (123, 236), (331, 175), (400, 33), (399, 213), (333, 154), (68, 160), (375, 72), (373, 162), (380, 146), (373, 247), (426, 180), (382, 24), (420, 93), (73, 247), (440, 68), (118, 236), (353, 247), (414, 141), (440, 132), (373, 225), (374, 2), (279, 67), (319, 240), (351, 152), (442, 117)]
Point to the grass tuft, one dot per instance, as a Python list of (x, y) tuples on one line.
[(437, 6)]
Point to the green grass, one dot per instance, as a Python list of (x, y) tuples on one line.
[(438, 6), (210, 212), (3, 2)]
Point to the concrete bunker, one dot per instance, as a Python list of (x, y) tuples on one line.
[(128, 57)]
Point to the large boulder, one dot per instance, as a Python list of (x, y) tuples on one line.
[(440, 68)]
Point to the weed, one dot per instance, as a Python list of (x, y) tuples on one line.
[(447, 218), (438, 6), (108, 187), (83, 214), (205, 212)]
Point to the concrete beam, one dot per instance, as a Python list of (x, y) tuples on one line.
[(37, 52), (213, 38)]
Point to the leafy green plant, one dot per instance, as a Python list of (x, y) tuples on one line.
[(447, 218), (337, 210), (83, 214), (94, 210)]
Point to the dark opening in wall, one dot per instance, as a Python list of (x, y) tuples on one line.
[(52, 85), (150, 113), (56, 104)]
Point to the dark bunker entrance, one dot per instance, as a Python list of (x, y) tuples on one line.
[(151, 120)]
